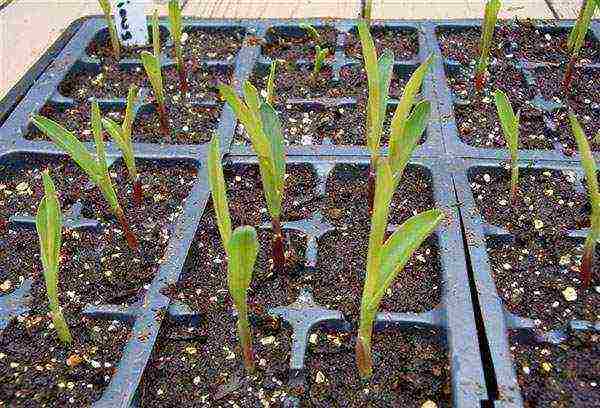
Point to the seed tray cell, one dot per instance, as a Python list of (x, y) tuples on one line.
[(552, 145), (499, 323)]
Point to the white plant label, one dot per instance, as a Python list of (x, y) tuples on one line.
[(132, 27)]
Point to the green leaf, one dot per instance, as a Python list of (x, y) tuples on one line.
[(487, 33), (508, 120), (271, 83), (579, 31), (176, 29), (118, 134), (272, 128), (153, 69), (105, 6), (132, 97), (243, 249), (587, 159), (251, 97), (155, 35), (406, 102), (310, 30), (320, 55), (385, 67), (98, 139), (372, 68), (218, 191), (399, 248), (70, 144), (413, 129), (368, 7)]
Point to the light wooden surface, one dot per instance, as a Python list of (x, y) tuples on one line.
[(28, 27)]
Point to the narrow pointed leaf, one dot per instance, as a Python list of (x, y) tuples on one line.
[(117, 133), (587, 159), (271, 83), (581, 27), (372, 68), (218, 191), (251, 97), (487, 33), (153, 70), (132, 96), (413, 130), (243, 249), (98, 139), (176, 29), (508, 120), (155, 35), (272, 128)]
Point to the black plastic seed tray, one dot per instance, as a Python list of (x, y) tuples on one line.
[(447, 99), (497, 321)]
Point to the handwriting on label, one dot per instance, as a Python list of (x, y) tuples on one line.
[(130, 20)]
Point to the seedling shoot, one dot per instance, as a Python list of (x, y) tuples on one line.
[(271, 83), (153, 69), (264, 129), (122, 136), (48, 223), (510, 127), (589, 166), (577, 38), (175, 26), (320, 55), (311, 31), (112, 29), (487, 33), (155, 35), (95, 167)]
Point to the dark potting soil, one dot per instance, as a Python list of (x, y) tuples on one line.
[(403, 42), (165, 188), (315, 125), (541, 281), (296, 44), (76, 119), (202, 81), (561, 376), (111, 82), (549, 202), (188, 124), (293, 81), (101, 47), (410, 368), (514, 39), (216, 43)]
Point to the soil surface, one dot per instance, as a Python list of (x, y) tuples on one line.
[(101, 47), (202, 81), (561, 376), (96, 267), (293, 81), (403, 42), (514, 39), (188, 124), (549, 202), (76, 119), (422, 373), (211, 44), (535, 280), (295, 43), (319, 124), (110, 82)]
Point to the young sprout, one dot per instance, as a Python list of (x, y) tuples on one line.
[(271, 83), (216, 180), (366, 11), (243, 248), (510, 127), (48, 223), (175, 26), (589, 166), (379, 74), (489, 23), (386, 258), (577, 38), (112, 29), (155, 35), (95, 167), (122, 136), (320, 55), (264, 129), (311, 31), (153, 69)]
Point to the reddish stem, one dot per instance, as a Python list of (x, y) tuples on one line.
[(129, 236), (137, 192), (371, 187), (164, 121), (363, 359), (278, 247), (183, 79), (586, 267), (479, 81), (569, 74)]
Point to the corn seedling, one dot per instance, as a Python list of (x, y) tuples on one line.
[(589, 166), (577, 38), (243, 249), (175, 26), (320, 55), (311, 31), (379, 74), (48, 223), (487, 34), (216, 180), (510, 128), (386, 259), (153, 70), (122, 136), (95, 167), (264, 129), (271, 83), (112, 29)]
